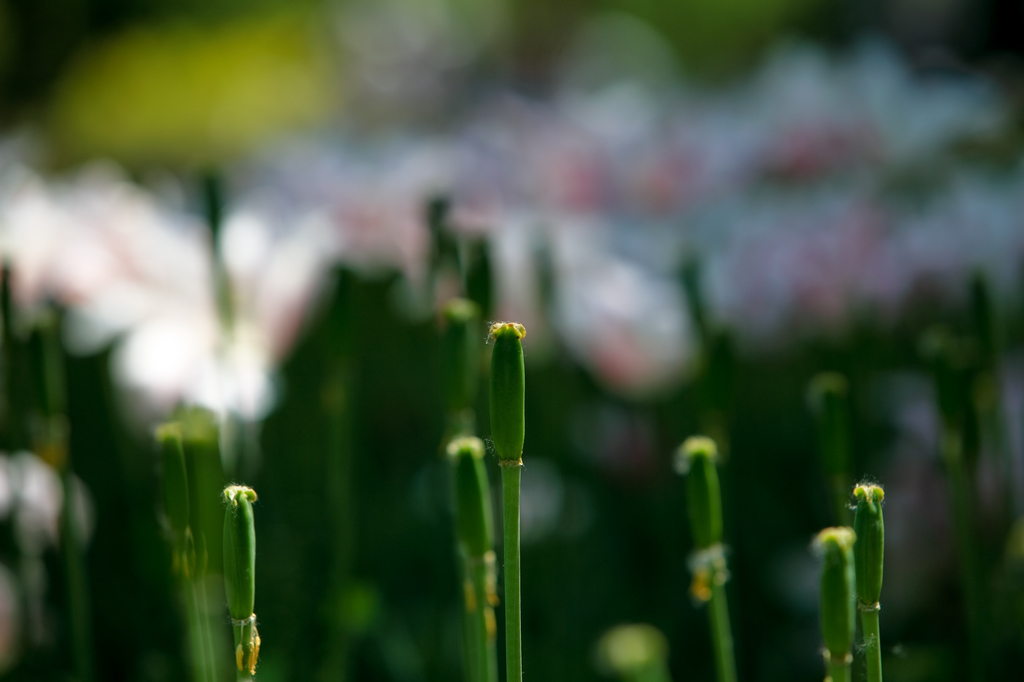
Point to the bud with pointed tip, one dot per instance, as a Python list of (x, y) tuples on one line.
[(508, 391)]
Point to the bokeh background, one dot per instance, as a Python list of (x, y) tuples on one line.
[(259, 207)]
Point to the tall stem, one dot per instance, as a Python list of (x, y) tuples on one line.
[(511, 474), (470, 628), (839, 671), (78, 595), (718, 613), (872, 644), (194, 619), (961, 501), (480, 629)]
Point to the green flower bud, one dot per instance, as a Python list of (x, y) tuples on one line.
[(634, 652), (240, 573), (201, 442), (696, 458), (870, 546), (473, 518), (508, 391), (461, 348), (239, 551), (838, 601), (827, 395), (175, 479)]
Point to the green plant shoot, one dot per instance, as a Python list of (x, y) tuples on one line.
[(827, 395), (696, 458), (475, 530), (460, 344), (868, 552), (508, 429), (838, 599), (240, 575)]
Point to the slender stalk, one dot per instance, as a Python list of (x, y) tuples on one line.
[(511, 475), (721, 633), (508, 427), (827, 395), (839, 671), (872, 644), (838, 599), (473, 642), (78, 590), (696, 458), (961, 501), (868, 554), (50, 441), (482, 629), (194, 622)]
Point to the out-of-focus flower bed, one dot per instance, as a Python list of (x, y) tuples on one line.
[(817, 193)]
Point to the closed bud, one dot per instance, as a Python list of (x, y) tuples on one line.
[(473, 515), (696, 458), (175, 479), (240, 573), (239, 551), (870, 546), (835, 547), (827, 395), (461, 348), (508, 391)]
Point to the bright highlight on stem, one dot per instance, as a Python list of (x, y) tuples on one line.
[(508, 428), (696, 459), (240, 575), (634, 653), (868, 553), (838, 599)]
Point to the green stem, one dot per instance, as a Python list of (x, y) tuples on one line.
[(242, 632), (872, 644), (478, 573), (961, 502), (200, 668), (472, 635), (841, 486), (839, 671), (721, 633), (78, 596), (205, 630), (511, 474)]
